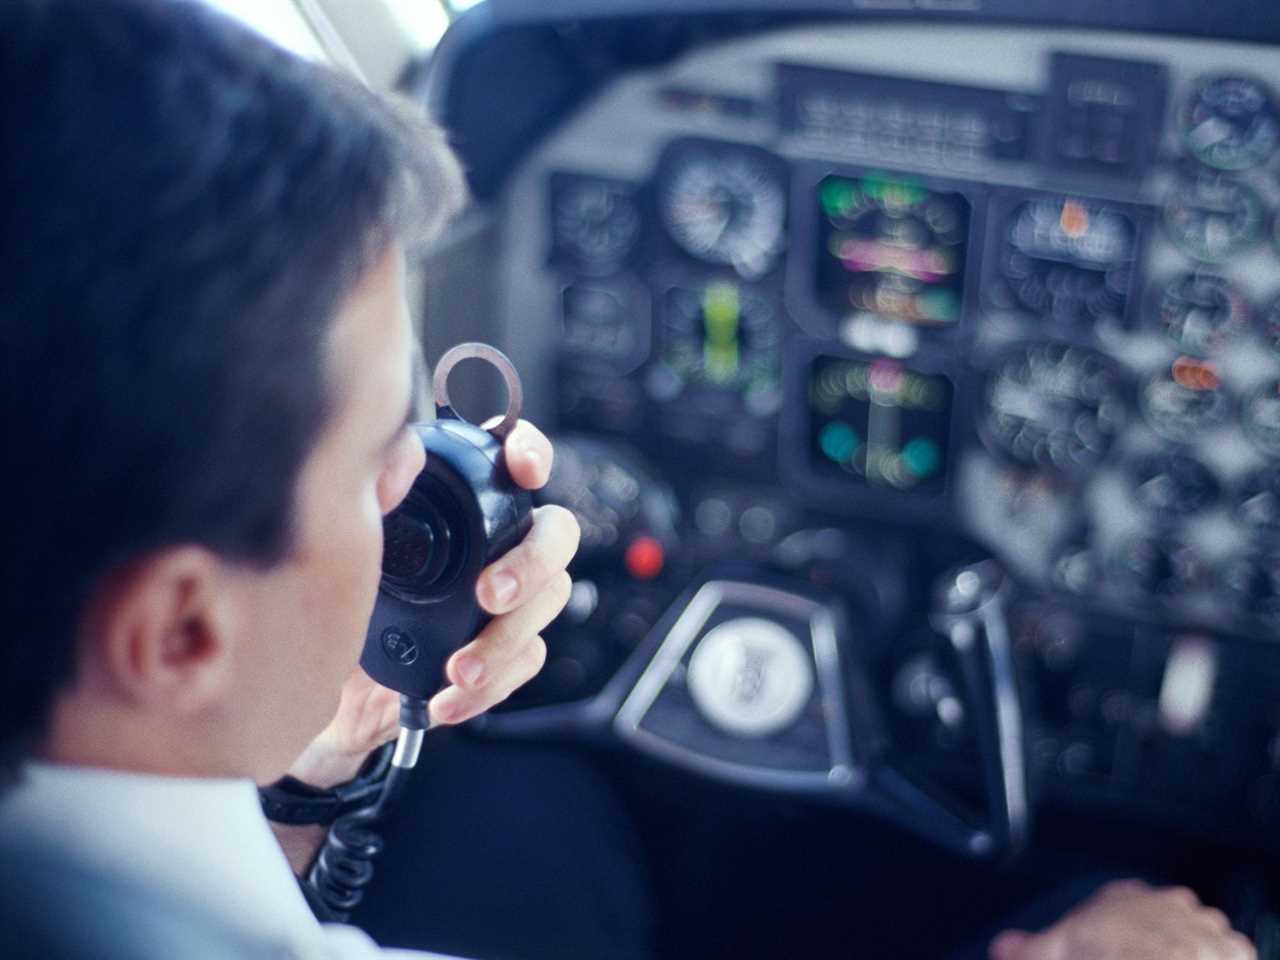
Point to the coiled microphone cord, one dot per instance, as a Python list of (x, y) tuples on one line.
[(344, 867)]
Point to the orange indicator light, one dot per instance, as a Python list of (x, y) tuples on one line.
[(1074, 219), (1195, 374)]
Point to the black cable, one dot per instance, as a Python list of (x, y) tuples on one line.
[(343, 869)]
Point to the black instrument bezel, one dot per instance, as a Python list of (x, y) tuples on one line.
[(849, 498), (801, 297)]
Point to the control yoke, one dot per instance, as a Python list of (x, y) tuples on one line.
[(762, 681)]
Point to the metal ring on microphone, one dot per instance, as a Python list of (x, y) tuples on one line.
[(497, 359)]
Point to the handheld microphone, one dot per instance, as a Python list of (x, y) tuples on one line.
[(462, 513)]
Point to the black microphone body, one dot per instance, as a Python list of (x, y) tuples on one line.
[(462, 513)]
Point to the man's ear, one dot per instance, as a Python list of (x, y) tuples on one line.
[(156, 632)]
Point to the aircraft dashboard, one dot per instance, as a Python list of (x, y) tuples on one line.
[(852, 303)]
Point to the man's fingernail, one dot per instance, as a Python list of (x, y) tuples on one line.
[(442, 715), (444, 710), (470, 670), (503, 586)]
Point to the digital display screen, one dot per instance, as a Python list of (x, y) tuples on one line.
[(891, 248), (879, 422)]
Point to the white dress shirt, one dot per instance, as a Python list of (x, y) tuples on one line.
[(205, 841)]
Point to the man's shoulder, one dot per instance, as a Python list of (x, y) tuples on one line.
[(54, 905)]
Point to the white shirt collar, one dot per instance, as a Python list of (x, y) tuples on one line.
[(204, 840)]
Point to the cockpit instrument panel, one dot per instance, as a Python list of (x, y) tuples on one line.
[(959, 287), (1018, 290)]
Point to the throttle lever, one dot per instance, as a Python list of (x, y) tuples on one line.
[(968, 608)]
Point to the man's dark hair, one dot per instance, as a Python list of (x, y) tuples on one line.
[(184, 208)]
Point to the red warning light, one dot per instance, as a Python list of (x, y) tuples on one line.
[(644, 558)]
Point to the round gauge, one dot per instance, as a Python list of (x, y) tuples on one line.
[(1171, 484), (595, 222), (1262, 418), (1258, 501), (1271, 325), (724, 205), (1054, 405), (1158, 567), (603, 323), (722, 336), (1185, 402), (1230, 123), (1201, 312), (1070, 260), (1214, 218)]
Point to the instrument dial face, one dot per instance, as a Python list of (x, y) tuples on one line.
[(879, 422), (595, 221), (603, 323), (1054, 405), (1201, 312), (723, 337), (1172, 484), (1230, 123), (1212, 219), (725, 205), (1262, 418), (1070, 260), (1185, 402), (891, 248)]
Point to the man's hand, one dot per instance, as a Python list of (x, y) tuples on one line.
[(524, 591), (1129, 920)]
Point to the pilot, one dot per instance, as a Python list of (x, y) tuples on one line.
[(206, 379), (207, 394)]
